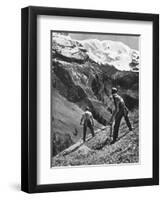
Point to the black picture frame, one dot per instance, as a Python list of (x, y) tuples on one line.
[(29, 99)]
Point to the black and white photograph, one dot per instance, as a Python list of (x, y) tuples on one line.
[(90, 99), (94, 99)]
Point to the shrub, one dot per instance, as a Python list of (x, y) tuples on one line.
[(60, 142)]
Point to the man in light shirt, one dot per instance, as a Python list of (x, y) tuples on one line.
[(87, 121)]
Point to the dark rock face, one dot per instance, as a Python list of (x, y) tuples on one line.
[(74, 92), (126, 80)]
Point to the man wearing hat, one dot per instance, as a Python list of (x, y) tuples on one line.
[(120, 111), (87, 121)]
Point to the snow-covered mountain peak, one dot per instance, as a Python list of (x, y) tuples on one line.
[(106, 52), (113, 53)]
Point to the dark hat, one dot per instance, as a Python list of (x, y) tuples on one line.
[(114, 90)]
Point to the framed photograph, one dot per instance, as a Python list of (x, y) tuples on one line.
[(90, 99)]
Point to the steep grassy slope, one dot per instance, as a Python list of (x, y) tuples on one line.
[(66, 128), (98, 150)]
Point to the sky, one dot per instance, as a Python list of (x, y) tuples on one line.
[(131, 40)]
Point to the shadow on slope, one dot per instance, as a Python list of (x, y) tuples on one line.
[(66, 128)]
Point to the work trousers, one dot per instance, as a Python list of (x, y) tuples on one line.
[(118, 117), (88, 124)]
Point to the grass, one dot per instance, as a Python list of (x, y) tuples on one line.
[(66, 126), (99, 151)]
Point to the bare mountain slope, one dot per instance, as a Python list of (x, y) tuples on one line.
[(66, 128), (98, 150)]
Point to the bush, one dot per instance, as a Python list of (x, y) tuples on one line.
[(60, 142)]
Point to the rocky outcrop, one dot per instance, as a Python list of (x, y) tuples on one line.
[(68, 50)]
